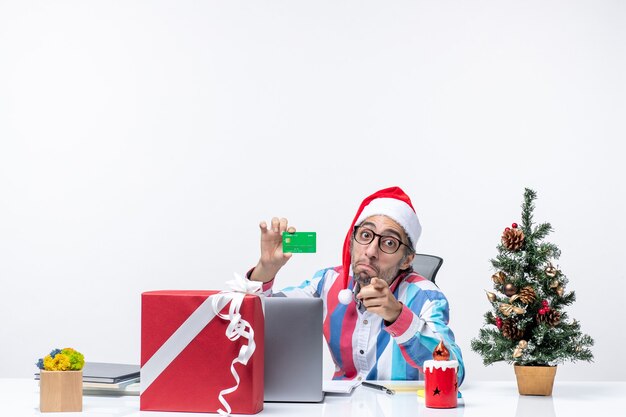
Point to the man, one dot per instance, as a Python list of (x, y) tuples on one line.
[(381, 319)]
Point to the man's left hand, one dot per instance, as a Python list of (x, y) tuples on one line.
[(378, 298)]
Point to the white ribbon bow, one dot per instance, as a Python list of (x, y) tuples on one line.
[(238, 327), (244, 285)]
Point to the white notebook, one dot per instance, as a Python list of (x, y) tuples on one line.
[(340, 387)]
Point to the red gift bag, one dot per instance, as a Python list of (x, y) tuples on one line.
[(186, 355)]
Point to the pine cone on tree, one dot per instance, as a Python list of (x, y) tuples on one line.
[(527, 295), (550, 317), (513, 239), (510, 330)]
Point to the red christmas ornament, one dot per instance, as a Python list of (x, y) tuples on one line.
[(498, 322), (514, 225), (506, 229)]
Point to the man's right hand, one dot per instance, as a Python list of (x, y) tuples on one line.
[(272, 256)]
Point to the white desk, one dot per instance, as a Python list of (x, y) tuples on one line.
[(20, 397)]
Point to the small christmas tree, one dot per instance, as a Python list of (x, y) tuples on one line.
[(528, 325)]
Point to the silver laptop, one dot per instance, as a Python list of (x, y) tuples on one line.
[(293, 349)]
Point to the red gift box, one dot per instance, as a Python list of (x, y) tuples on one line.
[(186, 356)]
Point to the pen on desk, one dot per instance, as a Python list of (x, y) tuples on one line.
[(378, 387)]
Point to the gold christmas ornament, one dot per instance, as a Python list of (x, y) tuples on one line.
[(551, 271), (491, 296), (560, 290), (554, 283), (519, 310), (519, 349), (499, 277), (510, 289), (506, 309), (513, 239)]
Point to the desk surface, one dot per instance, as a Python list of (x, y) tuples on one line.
[(20, 397)]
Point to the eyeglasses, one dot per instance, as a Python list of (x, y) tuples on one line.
[(387, 244)]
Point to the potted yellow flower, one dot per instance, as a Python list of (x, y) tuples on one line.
[(61, 381)]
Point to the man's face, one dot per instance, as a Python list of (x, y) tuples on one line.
[(368, 261)]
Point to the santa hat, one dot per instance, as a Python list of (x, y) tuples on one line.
[(391, 202)]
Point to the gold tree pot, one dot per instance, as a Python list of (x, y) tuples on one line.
[(535, 380)]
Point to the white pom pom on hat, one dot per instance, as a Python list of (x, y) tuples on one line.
[(345, 296), (391, 202)]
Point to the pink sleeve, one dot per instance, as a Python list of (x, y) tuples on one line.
[(402, 323)]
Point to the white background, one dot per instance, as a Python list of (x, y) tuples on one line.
[(141, 142)]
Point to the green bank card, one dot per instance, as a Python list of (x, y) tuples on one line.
[(299, 242)]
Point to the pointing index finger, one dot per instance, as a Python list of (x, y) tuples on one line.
[(378, 283)]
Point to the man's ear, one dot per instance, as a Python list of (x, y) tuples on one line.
[(408, 261)]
